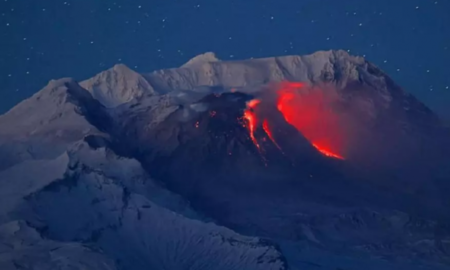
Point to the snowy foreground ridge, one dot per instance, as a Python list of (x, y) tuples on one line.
[(159, 171)]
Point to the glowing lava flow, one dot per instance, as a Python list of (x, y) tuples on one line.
[(250, 117), (251, 123), (308, 112), (326, 152), (269, 134)]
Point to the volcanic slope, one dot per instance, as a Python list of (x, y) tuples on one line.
[(226, 165)]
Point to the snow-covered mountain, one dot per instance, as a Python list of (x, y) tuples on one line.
[(293, 162)]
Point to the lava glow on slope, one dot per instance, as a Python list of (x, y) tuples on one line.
[(269, 134), (326, 152), (251, 119), (252, 123), (308, 111)]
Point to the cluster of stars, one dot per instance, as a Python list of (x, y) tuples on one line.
[(151, 36)]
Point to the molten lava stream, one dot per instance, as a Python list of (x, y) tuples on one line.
[(326, 152), (308, 111), (250, 117), (252, 120), (305, 111), (269, 134)]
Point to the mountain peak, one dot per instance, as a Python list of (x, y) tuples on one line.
[(117, 85), (122, 69), (207, 57), (50, 112), (59, 82)]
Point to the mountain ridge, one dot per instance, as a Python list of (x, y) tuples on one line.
[(125, 167)]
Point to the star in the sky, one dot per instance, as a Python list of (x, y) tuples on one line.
[(40, 41)]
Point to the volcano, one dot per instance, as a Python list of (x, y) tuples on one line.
[(295, 162)]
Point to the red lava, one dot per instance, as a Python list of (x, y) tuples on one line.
[(308, 111), (250, 117), (269, 134)]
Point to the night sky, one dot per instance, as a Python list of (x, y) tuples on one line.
[(43, 40)]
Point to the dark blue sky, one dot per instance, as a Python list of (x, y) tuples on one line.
[(43, 40)]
